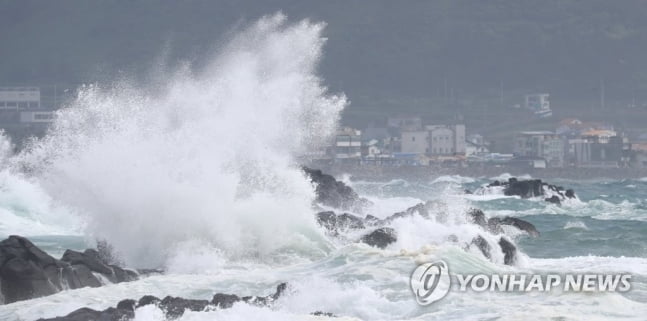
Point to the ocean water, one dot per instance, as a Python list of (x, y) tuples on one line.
[(196, 173)]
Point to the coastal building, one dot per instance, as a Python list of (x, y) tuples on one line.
[(446, 139), (414, 142), (434, 140), (538, 104), (39, 116), (573, 127), (476, 145), (544, 144), (17, 98), (348, 145), (599, 148)]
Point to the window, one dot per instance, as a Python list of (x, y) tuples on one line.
[(43, 116)]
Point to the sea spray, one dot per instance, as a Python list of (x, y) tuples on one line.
[(208, 157)]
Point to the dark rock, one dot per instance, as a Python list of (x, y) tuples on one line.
[(476, 216), (420, 209), (78, 276), (323, 314), (553, 199), (336, 194), (224, 301), (371, 220), (533, 188), (509, 251), (173, 307), (521, 224), (27, 272), (494, 225), (334, 222), (525, 189), (96, 263), (482, 245), (87, 314), (89, 258), (280, 289), (127, 304), (380, 238), (148, 299)]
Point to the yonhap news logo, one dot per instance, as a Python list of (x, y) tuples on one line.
[(432, 281)]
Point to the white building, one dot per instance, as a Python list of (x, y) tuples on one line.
[(36, 116), (414, 142), (539, 104), (19, 98), (348, 144), (446, 139), (544, 144), (435, 140)]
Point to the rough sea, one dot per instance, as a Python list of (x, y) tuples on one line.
[(195, 172)]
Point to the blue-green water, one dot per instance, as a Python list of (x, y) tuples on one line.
[(604, 231)]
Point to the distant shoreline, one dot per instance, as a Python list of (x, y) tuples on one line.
[(418, 173)]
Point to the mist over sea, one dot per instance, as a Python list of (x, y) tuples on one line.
[(197, 173)]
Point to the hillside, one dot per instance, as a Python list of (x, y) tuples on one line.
[(386, 55)]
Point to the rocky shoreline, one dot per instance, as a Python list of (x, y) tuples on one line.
[(428, 173), (28, 272)]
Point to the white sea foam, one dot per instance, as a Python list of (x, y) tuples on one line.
[(575, 225), (457, 179), (198, 175), (206, 155)]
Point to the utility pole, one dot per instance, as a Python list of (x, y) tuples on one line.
[(501, 93), (602, 99)]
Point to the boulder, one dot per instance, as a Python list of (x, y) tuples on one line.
[(482, 244), (380, 238), (532, 188), (553, 199), (333, 193), (335, 223), (224, 301), (420, 209), (509, 251), (87, 314), (27, 272), (525, 189), (494, 225), (476, 216), (173, 307)]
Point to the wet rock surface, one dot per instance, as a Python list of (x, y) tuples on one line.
[(532, 188), (173, 307), (27, 272), (333, 193)]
